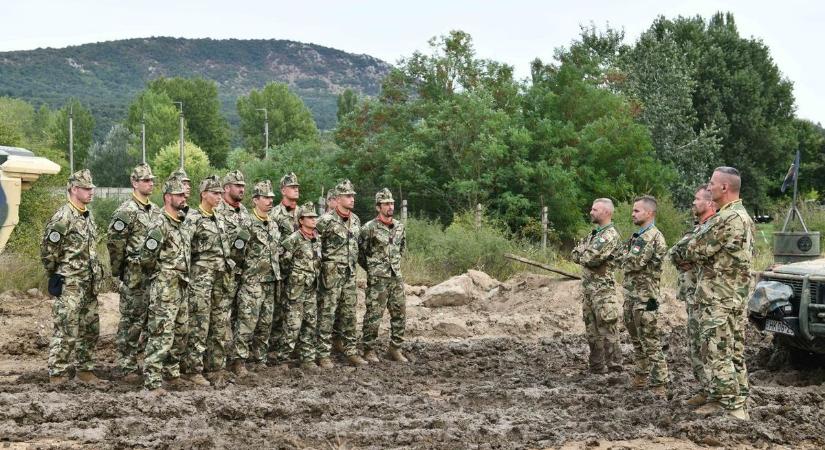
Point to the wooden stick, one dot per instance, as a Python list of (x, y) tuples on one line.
[(541, 266)]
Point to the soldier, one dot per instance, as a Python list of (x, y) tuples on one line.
[(642, 265), (259, 284), (235, 222), (703, 208), (302, 262), (166, 253), (285, 215), (332, 201), (723, 247), (339, 232), (181, 175), (381, 244), (211, 272), (127, 234), (597, 254), (69, 255)]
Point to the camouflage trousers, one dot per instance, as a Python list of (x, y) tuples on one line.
[(278, 316), (209, 299), (76, 328), (384, 293), (695, 347), (166, 328), (337, 297), (600, 310), (723, 338), (300, 319), (253, 323), (134, 301), (645, 335)]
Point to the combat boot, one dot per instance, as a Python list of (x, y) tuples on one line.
[(325, 363), (156, 392), (196, 379), (697, 400), (88, 377), (708, 409), (356, 361), (217, 379), (132, 378), (659, 391), (309, 366), (370, 356), (177, 383), (238, 368), (740, 413), (338, 345), (57, 380), (639, 381), (394, 353)]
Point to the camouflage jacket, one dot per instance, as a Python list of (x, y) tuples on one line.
[(723, 247), (167, 252), (286, 219), (236, 223), (263, 251), (69, 246), (381, 247), (210, 246), (302, 258), (686, 278), (339, 243), (597, 253), (642, 265), (127, 233)]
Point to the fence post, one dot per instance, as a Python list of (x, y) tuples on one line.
[(544, 228), (478, 216), (404, 211)]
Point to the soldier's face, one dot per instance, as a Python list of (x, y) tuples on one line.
[(702, 203), (332, 203), (717, 186), (263, 204), (187, 188), (596, 213), (235, 191), (144, 187), (308, 222), (641, 215), (83, 195), (386, 209), (211, 199), (176, 201), (346, 201), (290, 193)]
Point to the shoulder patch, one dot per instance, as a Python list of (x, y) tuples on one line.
[(54, 237), (154, 239)]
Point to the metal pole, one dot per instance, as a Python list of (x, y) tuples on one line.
[(143, 137), (544, 228), (404, 211), (266, 128), (180, 139), (71, 139)]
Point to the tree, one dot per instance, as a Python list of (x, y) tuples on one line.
[(112, 161), (160, 117), (289, 118), (346, 103), (196, 163), (83, 125), (208, 129)]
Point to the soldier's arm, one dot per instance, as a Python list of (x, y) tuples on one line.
[(288, 247), (403, 245), (117, 237), (150, 250), (633, 261), (599, 253), (706, 243), (363, 246), (52, 244)]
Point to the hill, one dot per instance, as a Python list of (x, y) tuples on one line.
[(106, 76)]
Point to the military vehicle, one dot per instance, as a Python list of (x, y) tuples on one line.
[(19, 168)]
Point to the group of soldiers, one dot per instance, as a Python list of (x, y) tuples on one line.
[(219, 287), (713, 261)]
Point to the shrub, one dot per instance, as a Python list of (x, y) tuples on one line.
[(196, 163)]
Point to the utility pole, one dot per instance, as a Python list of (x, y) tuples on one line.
[(266, 129), (180, 104), (71, 139), (143, 137)]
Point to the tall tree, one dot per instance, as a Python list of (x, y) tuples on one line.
[(83, 124), (346, 103), (112, 161), (160, 117), (289, 118)]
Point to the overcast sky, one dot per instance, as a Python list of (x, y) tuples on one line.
[(514, 31)]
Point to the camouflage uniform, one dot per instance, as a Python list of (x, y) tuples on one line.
[(126, 236), (259, 284), (723, 247), (339, 256), (166, 253), (211, 272), (642, 265), (686, 292), (596, 253), (381, 247), (68, 252), (287, 221), (302, 261), (235, 223)]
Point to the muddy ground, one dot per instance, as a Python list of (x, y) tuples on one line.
[(505, 372)]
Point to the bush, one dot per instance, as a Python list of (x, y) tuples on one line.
[(196, 163)]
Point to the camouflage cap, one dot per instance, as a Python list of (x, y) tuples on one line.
[(331, 193), (307, 210), (142, 172), (81, 178), (181, 175), (211, 184), (234, 177), (263, 189), (173, 186), (383, 196), (345, 188), (289, 179)]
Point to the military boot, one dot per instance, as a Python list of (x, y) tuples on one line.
[(156, 392), (217, 379), (659, 391), (740, 413), (394, 353), (177, 383), (57, 380), (338, 345), (88, 377), (325, 363), (370, 356), (309, 366), (708, 409), (356, 361), (238, 368), (697, 400), (132, 378), (196, 379), (639, 381)]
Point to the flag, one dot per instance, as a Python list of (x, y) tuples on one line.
[(793, 171)]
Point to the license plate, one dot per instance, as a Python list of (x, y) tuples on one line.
[(778, 327)]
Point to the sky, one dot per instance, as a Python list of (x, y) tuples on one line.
[(514, 31)]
